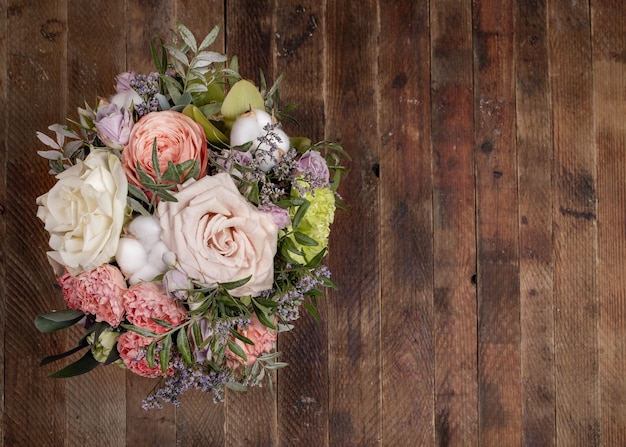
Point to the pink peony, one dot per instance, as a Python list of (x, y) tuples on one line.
[(132, 347), (178, 137), (96, 292), (262, 337), (147, 300)]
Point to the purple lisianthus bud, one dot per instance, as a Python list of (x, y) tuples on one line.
[(123, 81), (177, 284), (280, 216), (206, 331), (113, 125), (313, 165)]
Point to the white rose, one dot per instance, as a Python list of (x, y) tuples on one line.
[(84, 212), (218, 236)]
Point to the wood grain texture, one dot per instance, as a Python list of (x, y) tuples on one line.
[(575, 227), (407, 346), (303, 386), (609, 79), (481, 291), (536, 258), (37, 78), (496, 223), (354, 314), (454, 232)]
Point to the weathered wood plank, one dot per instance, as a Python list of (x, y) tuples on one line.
[(534, 158), (95, 55), (3, 202), (250, 418), (144, 21), (497, 224), (354, 314), (454, 233), (407, 344), (609, 85), (303, 385), (34, 406), (199, 421), (575, 231)]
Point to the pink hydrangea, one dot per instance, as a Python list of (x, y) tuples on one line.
[(147, 300), (132, 349), (263, 338), (97, 292)]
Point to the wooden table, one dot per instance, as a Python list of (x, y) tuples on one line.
[(481, 267)]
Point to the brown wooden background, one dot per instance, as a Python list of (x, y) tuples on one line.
[(481, 269)]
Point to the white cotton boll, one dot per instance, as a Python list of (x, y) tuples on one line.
[(244, 129), (130, 256), (263, 119), (155, 257), (144, 274), (145, 228)]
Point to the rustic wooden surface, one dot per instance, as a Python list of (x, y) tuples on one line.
[(481, 268)]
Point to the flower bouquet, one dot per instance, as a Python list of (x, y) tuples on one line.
[(186, 227)]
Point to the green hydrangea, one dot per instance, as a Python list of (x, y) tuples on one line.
[(315, 224)]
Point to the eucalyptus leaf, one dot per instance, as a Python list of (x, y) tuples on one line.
[(85, 364), (303, 239), (235, 284), (55, 321), (164, 353), (236, 349), (236, 386), (297, 218), (182, 343), (54, 358)]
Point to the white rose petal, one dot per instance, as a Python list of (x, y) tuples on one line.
[(84, 212)]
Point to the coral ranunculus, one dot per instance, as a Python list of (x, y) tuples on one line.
[(178, 139)]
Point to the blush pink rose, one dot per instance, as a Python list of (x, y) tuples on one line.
[(147, 300), (132, 349), (263, 338), (218, 236), (97, 292), (178, 137)]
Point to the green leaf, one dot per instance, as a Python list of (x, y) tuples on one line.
[(113, 356), (155, 160), (138, 330), (187, 37), (85, 364), (182, 342), (164, 353), (54, 321), (236, 386), (210, 38), (235, 284), (297, 218), (312, 310), (150, 354), (236, 349), (241, 337), (303, 239), (276, 365), (266, 303), (317, 259), (54, 358), (163, 323)]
